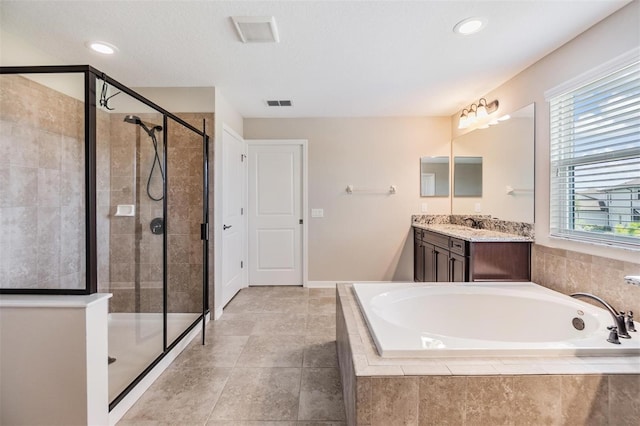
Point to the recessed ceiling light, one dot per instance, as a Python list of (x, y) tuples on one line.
[(469, 26), (102, 47)]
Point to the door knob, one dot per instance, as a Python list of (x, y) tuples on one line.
[(225, 227)]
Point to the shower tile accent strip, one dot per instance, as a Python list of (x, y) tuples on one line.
[(412, 391)]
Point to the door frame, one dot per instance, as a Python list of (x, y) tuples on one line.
[(303, 143), (217, 218)]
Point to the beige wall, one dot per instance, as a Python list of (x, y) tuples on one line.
[(606, 40), (362, 236)]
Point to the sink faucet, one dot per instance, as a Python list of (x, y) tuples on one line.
[(471, 222), (618, 318)]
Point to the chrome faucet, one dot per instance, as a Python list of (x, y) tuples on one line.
[(471, 222), (618, 317)]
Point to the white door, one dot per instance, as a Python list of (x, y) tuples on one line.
[(233, 224), (275, 214)]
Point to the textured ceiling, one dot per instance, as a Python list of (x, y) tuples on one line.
[(335, 58)]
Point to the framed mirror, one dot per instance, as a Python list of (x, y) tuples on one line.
[(507, 149), (434, 176), (467, 176)]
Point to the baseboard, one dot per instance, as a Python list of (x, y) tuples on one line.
[(217, 313), (127, 402)]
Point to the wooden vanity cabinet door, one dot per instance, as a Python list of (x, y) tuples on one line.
[(458, 268), (442, 265), (429, 262)]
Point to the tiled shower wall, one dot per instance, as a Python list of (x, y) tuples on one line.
[(42, 205), (42, 201), (135, 252), (570, 272)]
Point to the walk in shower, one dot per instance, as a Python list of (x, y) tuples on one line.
[(101, 190)]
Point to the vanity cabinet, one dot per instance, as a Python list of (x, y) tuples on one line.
[(442, 258)]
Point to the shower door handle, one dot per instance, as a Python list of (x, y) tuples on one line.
[(225, 227)]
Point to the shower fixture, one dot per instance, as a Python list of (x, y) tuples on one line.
[(134, 119)]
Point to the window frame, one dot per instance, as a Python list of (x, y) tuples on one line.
[(563, 205)]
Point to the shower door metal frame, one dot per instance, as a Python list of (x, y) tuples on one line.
[(91, 284), (91, 268)]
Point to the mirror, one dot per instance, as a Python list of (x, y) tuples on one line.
[(467, 176), (434, 176), (507, 153)]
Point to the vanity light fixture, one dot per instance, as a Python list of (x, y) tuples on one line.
[(101, 47), (477, 112)]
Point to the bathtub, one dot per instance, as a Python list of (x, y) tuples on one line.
[(488, 319)]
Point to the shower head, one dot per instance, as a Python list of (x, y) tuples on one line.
[(134, 119)]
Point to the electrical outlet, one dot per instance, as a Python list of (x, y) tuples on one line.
[(317, 212), (424, 208), (478, 208)]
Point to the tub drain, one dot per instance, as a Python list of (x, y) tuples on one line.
[(578, 323)]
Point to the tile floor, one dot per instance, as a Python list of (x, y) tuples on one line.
[(269, 361)]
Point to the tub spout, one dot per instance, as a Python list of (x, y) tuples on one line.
[(618, 317)]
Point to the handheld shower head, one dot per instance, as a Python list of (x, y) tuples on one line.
[(133, 119)]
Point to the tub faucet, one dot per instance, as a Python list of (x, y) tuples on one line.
[(618, 318)]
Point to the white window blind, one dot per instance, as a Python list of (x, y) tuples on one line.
[(595, 160)]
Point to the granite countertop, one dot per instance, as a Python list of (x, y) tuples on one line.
[(472, 234)]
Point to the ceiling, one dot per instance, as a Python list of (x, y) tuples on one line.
[(334, 58)]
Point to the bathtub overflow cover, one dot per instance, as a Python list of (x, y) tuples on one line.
[(578, 323)]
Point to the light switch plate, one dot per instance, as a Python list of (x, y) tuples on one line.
[(317, 212)]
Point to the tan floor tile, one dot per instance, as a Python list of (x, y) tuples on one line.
[(286, 305), (247, 423), (238, 326), (154, 423), (272, 351), (320, 351), (279, 291), (321, 324), (321, 395), (259, 394), (322, 292), (219, 351), (275, 324), (180, 395), (322, 305)]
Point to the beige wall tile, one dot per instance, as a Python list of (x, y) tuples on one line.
[(585, 400), (363, 400), (442, 400), (486, 399), (537, 400), (624, 391), (394, 400)]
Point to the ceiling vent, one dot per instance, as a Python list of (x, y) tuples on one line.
[(286, 103), (256, 29)]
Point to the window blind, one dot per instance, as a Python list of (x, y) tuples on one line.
[(595, 160)]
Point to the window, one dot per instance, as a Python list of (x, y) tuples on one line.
[(595, 159)]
